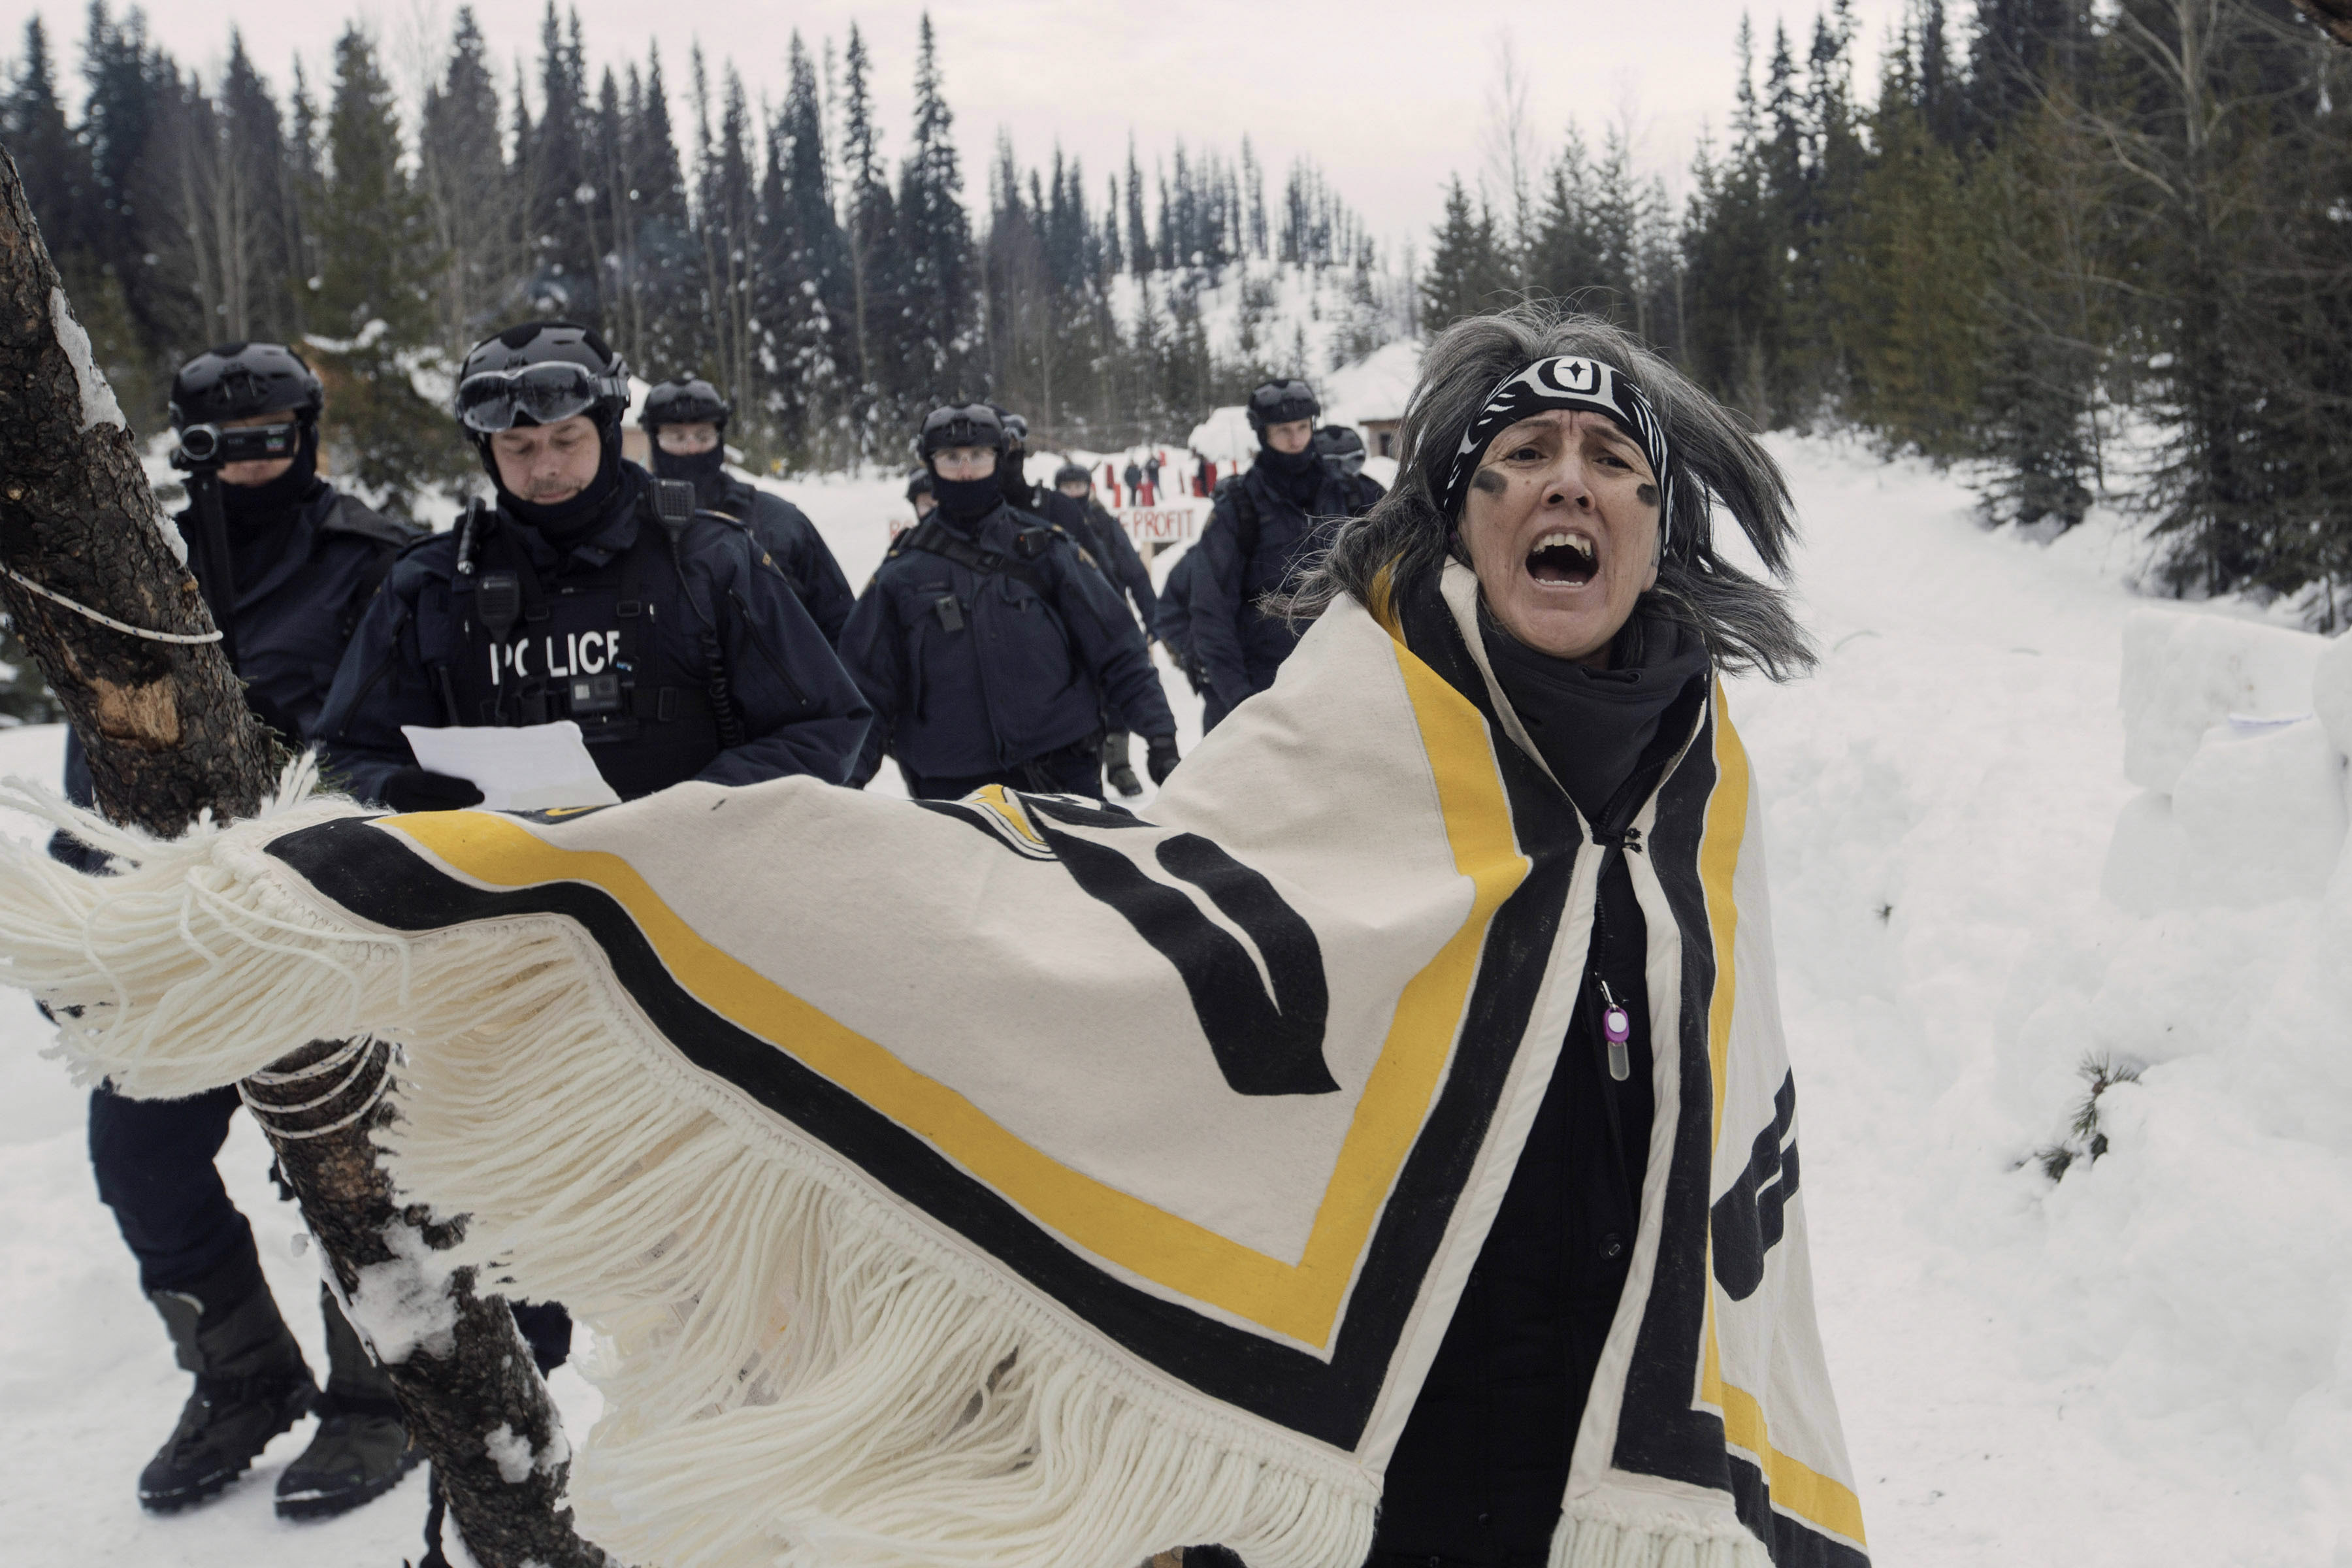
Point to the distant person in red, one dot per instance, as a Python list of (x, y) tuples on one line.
[(1110, 482), (1204, 478), (1134, 478), (1152, 480)]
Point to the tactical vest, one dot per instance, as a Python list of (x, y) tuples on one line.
[(595, 648)]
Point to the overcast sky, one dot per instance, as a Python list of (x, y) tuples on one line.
[(1389, 97)]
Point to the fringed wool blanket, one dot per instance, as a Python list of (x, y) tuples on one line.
[(1018, 1181)]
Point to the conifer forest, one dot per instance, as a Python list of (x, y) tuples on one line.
[(2092, 251)]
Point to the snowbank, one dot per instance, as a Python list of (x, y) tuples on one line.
[(2188, 1051), (2243, 799)]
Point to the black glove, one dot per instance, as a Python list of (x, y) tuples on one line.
[(414, 789), (1161, 759)]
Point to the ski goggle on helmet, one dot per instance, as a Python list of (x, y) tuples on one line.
[(974, 424), (494, 400), (1282, 403)]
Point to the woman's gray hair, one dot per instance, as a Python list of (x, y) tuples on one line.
[(1745, 622)]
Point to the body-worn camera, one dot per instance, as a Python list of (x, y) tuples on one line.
[(212, 446), (596, 696)]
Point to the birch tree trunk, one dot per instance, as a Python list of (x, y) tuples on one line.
[(170, 738)]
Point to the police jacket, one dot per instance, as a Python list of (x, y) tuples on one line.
[(679, 652), (982, 644), (1479, 1471), (1173, 623), (304, 578), (793, 541), (1090, 525), (1260, 532)]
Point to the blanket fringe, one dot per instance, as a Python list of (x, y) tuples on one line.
[(797, 1369), (1593, 1537)]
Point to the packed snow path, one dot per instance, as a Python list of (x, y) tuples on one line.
[(1939, 799)]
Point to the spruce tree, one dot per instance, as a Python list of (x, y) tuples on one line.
[(670, 335), (807, 294), (130, 316), (268, 245), (373, 306), (1907, 283), (469, 193), (940, 294), (1468, 274), (868, 216), (555, 165), (55, 162)]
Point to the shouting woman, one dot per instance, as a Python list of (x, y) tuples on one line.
[(1384, 1149), (1555, 495)]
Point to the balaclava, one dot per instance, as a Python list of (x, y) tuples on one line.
[(567, 522), (1297, 474), (247, 506), (968, 500), (706, 471)]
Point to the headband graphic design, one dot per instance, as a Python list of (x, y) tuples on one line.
[(1564, 382)]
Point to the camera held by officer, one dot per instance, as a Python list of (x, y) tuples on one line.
[(685, 419), (591, 591), (989, 644)]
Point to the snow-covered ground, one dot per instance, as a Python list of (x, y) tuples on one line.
[(2145, 1362)]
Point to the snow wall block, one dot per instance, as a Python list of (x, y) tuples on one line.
[(2259, 813), (2144, 857), (2185, 673), (2331, 691)]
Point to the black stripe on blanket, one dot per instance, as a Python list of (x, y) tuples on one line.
[(1793, 1543), (379, 879)]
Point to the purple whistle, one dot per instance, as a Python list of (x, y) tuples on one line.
[(1617, 1029)]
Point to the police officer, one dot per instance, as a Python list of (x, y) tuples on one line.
[(1174, 621), (286, 565), (919, 493), (1343, 451), (987, 644), (685, 419), (1070, 507), (587, 590), (1261, 528)]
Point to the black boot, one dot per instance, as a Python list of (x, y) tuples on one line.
[(1115, 767), (362, 1449), (251, 1382)]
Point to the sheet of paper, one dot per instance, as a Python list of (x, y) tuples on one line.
[(529, 767)]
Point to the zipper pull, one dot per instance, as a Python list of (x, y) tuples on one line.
[(1617, 1029)]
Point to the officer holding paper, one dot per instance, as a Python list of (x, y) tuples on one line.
[(586, 590)]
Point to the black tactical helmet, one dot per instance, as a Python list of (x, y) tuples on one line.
[(972, 424), (235, 381), (1282, 403), (919, 483), (1016, 429), (684, 400), (1069, 473), (537, 374), (1340, 448)]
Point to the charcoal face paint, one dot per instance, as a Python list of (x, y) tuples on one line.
[(1488, 480), (1566, 381), (1647, 494)]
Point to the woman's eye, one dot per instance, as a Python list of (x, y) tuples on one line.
[(1526, 454)]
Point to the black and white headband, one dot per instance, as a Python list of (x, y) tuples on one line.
[(1566, 382)]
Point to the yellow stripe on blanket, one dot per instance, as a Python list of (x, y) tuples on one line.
[(1302, 1300)]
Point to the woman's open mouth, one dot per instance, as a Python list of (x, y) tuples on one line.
[(1564, 558)]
